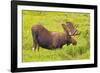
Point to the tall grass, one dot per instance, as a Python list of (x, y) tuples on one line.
[(52, 21)]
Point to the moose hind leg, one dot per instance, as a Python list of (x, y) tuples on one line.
[(34, 45)]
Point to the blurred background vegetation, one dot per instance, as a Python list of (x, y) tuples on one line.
[(52, 21)]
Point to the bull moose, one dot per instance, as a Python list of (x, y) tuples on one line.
[(52, 40)]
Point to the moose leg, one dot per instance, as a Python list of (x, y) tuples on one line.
[(34, 45), (34, 41)]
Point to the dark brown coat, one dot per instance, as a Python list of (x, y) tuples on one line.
[(50, 40)]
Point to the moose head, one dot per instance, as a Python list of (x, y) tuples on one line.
[(70, 31)]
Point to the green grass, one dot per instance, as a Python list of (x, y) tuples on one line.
[(52, 21)]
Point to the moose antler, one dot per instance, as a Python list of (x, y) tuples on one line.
[(71, 29)]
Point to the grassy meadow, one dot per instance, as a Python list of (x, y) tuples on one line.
[(52, 21)]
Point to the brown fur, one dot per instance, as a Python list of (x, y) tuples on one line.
[(50, 40)]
